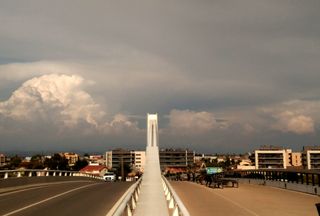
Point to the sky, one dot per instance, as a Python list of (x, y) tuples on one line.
[(224, 76)]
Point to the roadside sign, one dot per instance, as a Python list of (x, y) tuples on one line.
[(213, 170)]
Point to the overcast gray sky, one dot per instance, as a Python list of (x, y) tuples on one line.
[(224, 76)]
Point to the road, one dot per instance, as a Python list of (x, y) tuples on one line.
[(72, 197), (245, 200)]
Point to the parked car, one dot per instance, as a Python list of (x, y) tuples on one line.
[(109, 176)]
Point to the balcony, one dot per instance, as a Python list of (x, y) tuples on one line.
[(271, 162)]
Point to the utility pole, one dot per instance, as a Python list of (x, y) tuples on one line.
[(122, 168)]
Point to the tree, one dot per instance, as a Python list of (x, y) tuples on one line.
[(80, 164), (57, 162), (15, 162), (36, 162)]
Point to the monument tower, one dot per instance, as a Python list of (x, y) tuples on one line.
[(152, 130)]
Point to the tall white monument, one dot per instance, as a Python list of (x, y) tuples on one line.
[(152, 200), (152, 128)]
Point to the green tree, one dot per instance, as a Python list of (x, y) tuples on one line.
[(57, 162), (80, 164), (15, 162), (36, 162)]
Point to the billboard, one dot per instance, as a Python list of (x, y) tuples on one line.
[(213, 170)]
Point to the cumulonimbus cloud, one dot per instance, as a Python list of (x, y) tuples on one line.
[(52, 97), (191, 122), (59, 100), (296, 116), (289, 122)]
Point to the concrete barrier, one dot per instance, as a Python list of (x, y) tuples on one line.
[(7, 174), (284, 185), (128, 202), (174, 202)]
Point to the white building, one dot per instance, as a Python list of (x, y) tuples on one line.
[(116, 157), (245, 165), (97, 170), (139, 160), (311, 157), (272, 157), (97, 159), (2, 160)]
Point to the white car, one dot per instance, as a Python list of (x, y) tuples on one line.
[(109, 176)]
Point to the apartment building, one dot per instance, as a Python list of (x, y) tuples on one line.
[(134, 159), (139, 160), (270, 157), (2, 160), (71, 157), (176, 158), (311, 157)]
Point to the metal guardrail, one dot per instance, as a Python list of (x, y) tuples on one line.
[(129, 203), (5, 174), (305, 177), (175, 203)]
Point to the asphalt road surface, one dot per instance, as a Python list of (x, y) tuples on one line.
[(246, 200), (72, 197)]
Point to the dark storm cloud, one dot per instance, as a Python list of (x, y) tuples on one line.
[(223, 57)]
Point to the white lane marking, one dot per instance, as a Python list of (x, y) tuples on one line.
[(45, 200), (237, 204), (18, 191), (233, 202), (20, 188)]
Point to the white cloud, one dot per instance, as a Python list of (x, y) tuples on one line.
[(52, 97), (290, 122), (296, 116), (121, 124), (190, 122), (60, 101)]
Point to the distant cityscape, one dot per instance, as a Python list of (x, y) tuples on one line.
[(129, 163)]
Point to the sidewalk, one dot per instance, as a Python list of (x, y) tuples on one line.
[(245, 200)]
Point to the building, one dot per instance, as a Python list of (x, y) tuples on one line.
[(139, 160), (71, 157), (200, 157), (2, 160), (97, 170), (311, 157), (270, 157), (176, 158), (96, 159), (221, 158), (245, 164), (118, 157), (296, 159)]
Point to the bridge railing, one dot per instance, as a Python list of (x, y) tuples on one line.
[(128, 203), (5, 174), (307, 181), (174, 202), (307, 177)]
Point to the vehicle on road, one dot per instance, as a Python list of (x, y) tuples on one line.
[(109, 176)]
